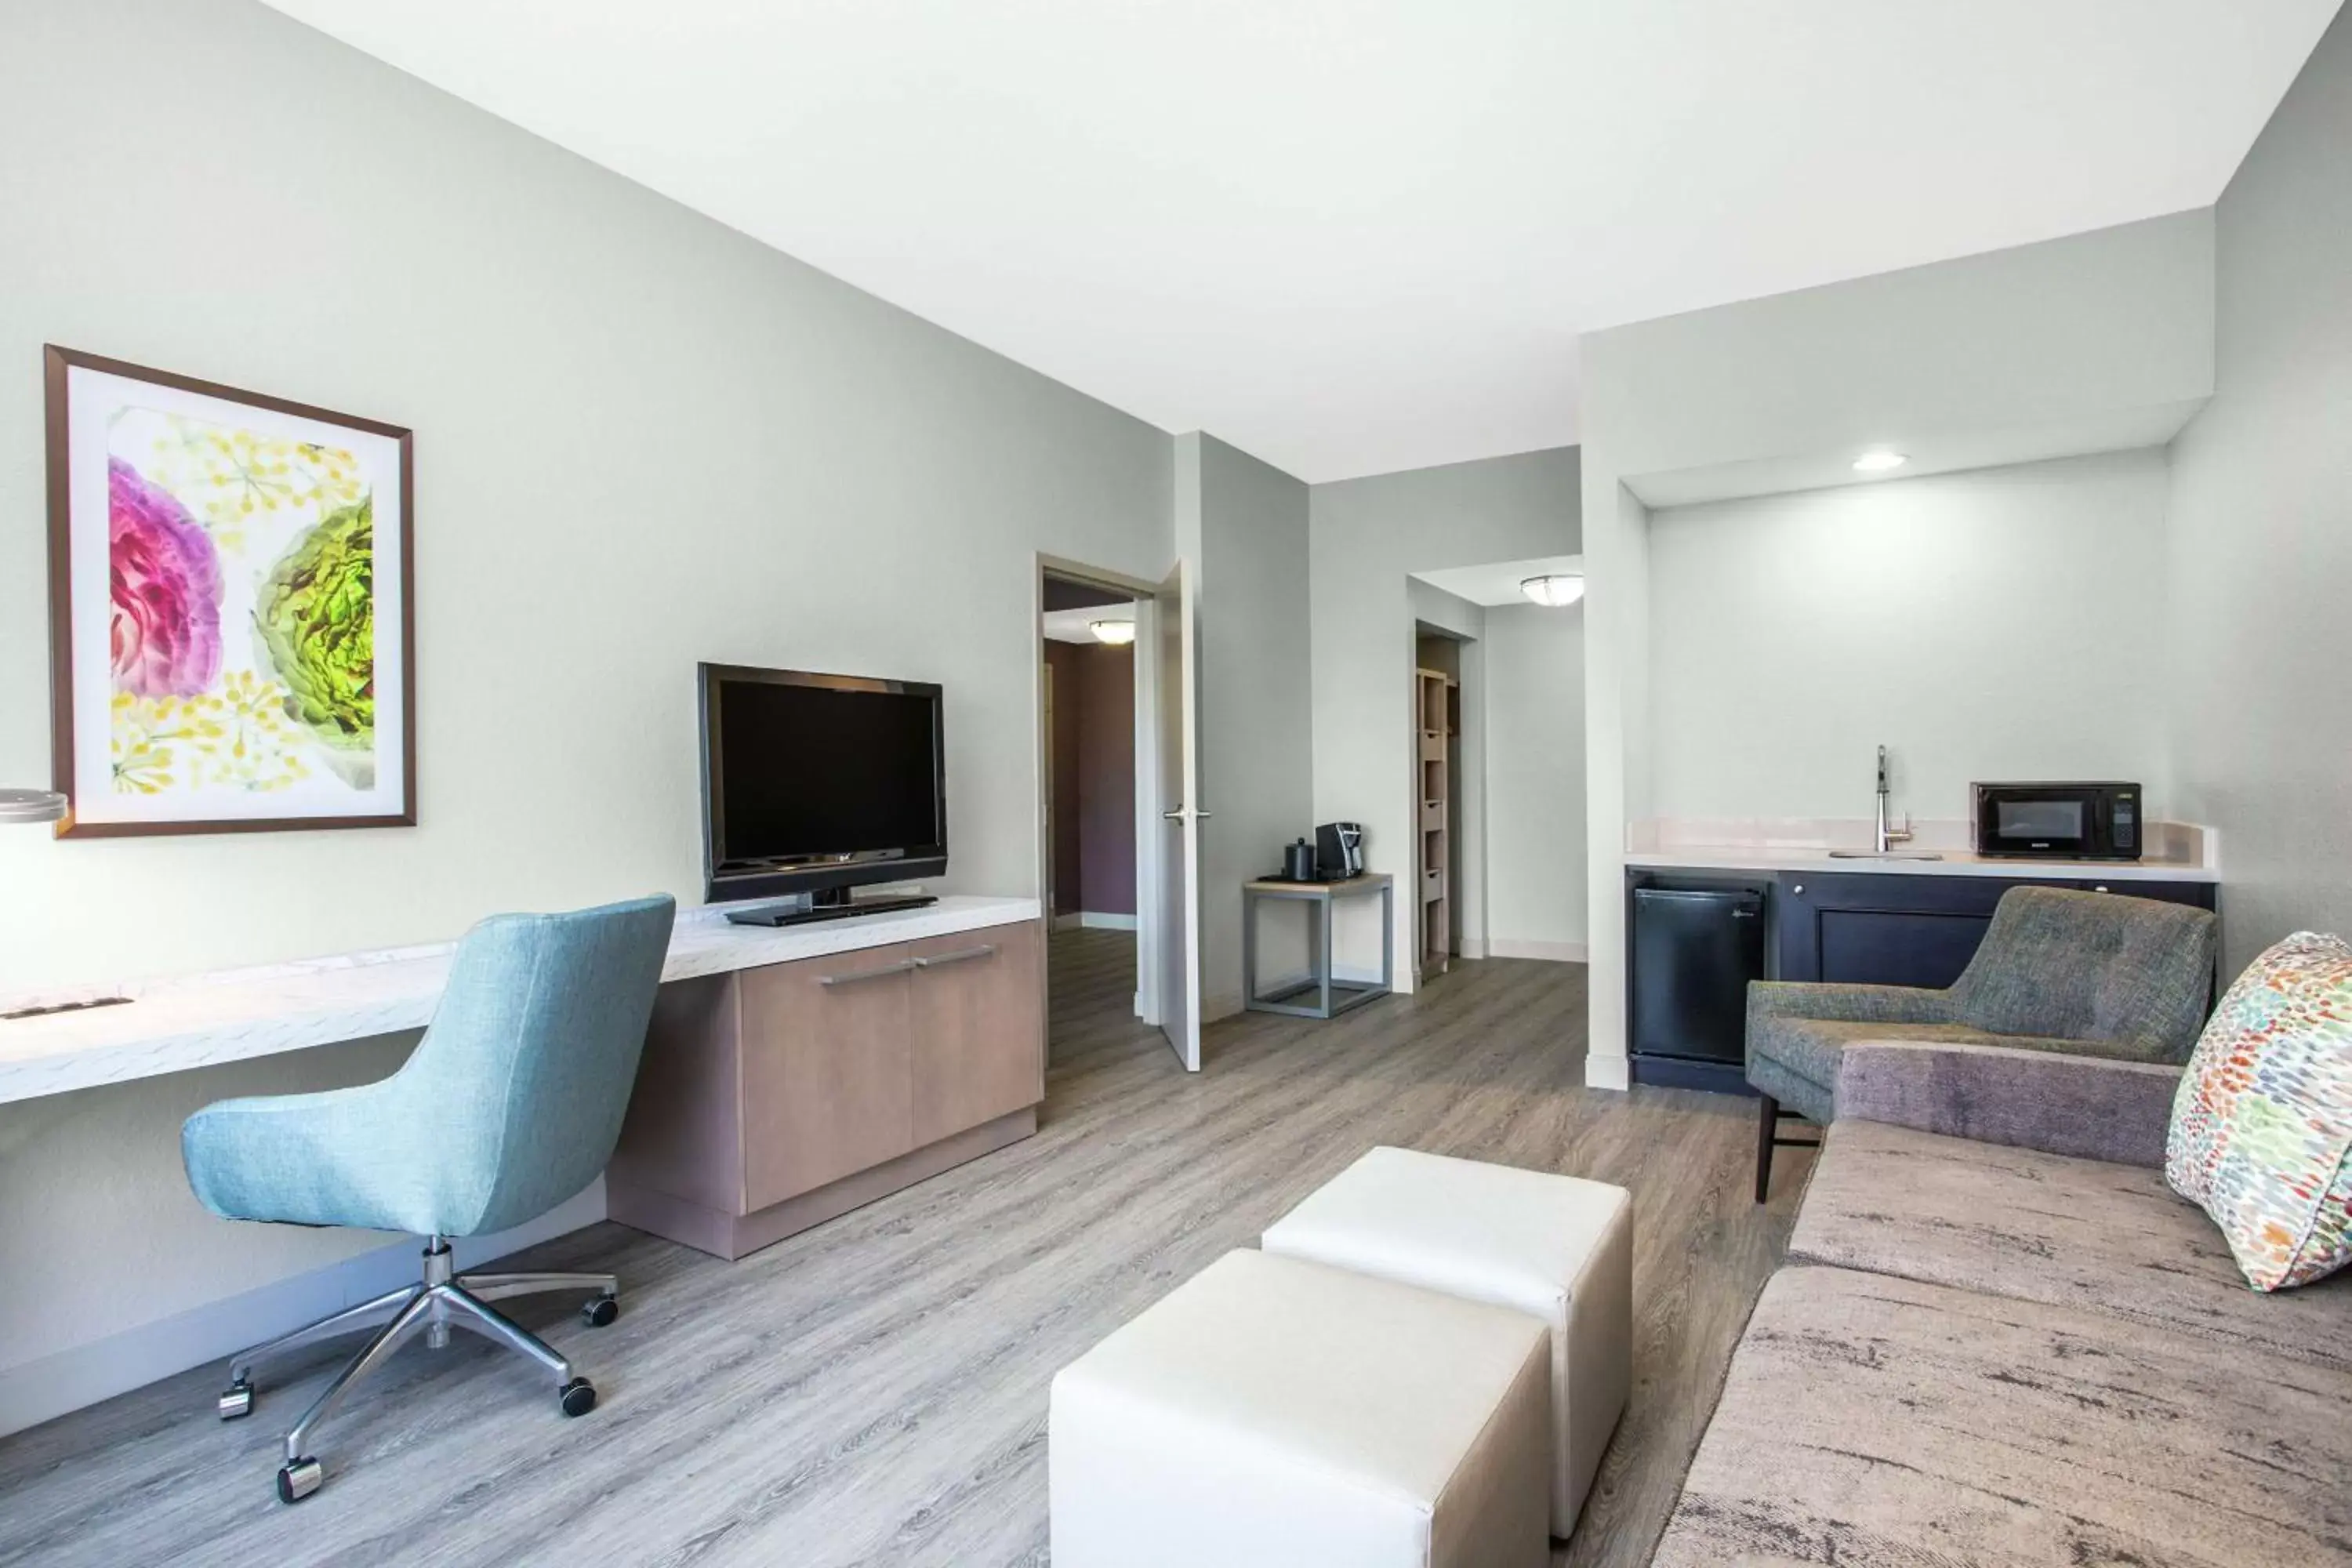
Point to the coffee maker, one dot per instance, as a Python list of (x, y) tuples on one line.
[(1339, 850)]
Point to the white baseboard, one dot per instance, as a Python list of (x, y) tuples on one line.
[(1473, 947), (1094, 919), (1606, 1072), (1550, 952), (68, 1380)]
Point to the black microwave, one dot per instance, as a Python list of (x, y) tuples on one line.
[(2058, 821)]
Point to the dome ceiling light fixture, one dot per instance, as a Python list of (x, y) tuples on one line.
[(1554, 589), (1879, 462), (1118, 634)]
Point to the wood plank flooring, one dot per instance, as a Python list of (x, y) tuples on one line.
[(873, 1392)]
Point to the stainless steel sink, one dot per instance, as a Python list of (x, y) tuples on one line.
[(1884, 854)]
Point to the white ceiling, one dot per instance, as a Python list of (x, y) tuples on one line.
[(1356, 236), (1500, 584), (1077, 625)]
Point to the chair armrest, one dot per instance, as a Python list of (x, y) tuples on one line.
[(1838, 1004), (2097, 1108)]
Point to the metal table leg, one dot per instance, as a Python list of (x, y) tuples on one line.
[(1249, 947), (1325, 908)]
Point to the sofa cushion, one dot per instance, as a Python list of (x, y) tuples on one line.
[(2262, 1131), (1874, 1420), (2050, 1228), (2057, 1101)]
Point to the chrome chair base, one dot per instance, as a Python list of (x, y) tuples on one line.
[(443, 1300)]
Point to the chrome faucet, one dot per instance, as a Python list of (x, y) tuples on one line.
[(1885, 837)]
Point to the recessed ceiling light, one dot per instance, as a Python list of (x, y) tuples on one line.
[(1878, 462), (1119, 634), (1553, 589)]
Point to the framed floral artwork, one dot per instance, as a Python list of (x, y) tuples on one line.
[(231, 610)]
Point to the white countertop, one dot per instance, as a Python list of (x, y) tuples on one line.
[(1949, 863), (2177, 851), (200, 1020)]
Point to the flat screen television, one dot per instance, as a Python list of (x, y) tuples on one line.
[(813, 785)]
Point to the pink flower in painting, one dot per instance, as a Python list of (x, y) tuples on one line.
[(167, 590)]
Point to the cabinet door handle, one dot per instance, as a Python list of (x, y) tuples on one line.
[(986, 950), (903, 966)]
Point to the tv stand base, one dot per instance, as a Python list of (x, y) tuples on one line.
[(801, 911)]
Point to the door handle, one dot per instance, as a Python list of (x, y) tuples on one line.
[(1182, 811), (986, 950), (903, 967)]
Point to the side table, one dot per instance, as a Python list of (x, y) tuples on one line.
[(1331, 997)]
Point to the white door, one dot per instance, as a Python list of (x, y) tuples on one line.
[(1178, 658)]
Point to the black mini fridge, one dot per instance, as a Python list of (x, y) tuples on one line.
[(1695, 951)]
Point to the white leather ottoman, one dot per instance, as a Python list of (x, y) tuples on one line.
[(1275, 1414), (1558, 1247)]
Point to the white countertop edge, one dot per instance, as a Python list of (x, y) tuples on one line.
[(1953, 863), (228, 1015)]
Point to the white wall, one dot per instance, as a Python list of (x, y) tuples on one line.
[(1367, 536), (642, 439), (2002, 624), (2084, 334), (1255, 692), (1534, 661), (2261, 545)]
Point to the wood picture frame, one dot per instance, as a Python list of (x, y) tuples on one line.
[(219, 611)]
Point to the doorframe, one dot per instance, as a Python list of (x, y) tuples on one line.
[(1147, 934)]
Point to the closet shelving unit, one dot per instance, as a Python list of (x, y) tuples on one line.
[(1437, 708)]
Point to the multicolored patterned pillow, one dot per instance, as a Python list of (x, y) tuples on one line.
[(2262, 1129)]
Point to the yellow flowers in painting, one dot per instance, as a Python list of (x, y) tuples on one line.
[(240, 735), (233, 474)]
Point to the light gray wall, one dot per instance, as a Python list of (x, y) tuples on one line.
[(642, 439), (1367, 536), (2262, 536), (2075, 333), (1254, 693), (2005, 624), (1535, 780)]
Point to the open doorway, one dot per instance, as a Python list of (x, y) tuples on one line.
[(1496, 701), (1092, 743)]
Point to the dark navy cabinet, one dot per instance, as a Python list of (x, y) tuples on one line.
[(1886, 929), (1875, 928)]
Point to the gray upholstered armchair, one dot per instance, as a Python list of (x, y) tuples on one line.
[(2060, 975)]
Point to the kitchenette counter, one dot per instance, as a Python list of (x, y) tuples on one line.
[(2178, 852)]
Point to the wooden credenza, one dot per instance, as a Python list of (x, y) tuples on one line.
[(773, 1098)]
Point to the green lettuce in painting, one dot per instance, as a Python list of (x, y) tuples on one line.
[(315, 618)]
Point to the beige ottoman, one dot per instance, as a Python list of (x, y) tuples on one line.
[(1273, 1414), (1556, 1246)]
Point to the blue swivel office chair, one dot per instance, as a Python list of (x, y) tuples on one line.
[(510, 1104)]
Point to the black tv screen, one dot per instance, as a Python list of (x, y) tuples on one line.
[(819, 780)]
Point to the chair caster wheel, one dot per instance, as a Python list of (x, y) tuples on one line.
[(600, 1312), (299, 1480), (578, 1397), (237, 1400)]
